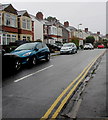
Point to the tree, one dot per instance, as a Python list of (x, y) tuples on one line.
[(75, 40), (90, 39), (52, 19)]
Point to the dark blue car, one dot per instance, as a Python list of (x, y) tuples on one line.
[(29, 53)]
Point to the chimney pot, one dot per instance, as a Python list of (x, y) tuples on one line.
[(39, 15), (86, 29), (66, 24)]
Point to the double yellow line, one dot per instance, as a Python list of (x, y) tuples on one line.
[(63, 102)]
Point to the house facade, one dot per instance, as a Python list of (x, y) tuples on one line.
[(8, 24), (25, 26), (52, 31), (38, 28), (15, 25)]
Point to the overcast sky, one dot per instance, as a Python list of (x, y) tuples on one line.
[(92, 14)]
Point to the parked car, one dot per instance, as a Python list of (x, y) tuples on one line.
[(88, 46), (29, 53), (59, 44), (68, 48), (53, 48), (101, 46)]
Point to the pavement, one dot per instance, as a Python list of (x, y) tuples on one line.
[(95, 102), (55, 53)]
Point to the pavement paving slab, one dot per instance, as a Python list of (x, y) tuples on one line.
[(95, 95)]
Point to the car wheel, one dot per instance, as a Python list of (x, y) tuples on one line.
[(73, 51), (33, 61), (47, 57), (17, 65)]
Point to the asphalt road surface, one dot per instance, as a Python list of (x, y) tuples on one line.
[(30, 92)]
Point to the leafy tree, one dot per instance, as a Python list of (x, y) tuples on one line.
[(52, 19), (75, 40), (90, 39)]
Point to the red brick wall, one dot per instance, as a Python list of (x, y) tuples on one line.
[(21, 31), (10, 29)]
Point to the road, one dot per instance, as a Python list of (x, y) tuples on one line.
[(31, 92)]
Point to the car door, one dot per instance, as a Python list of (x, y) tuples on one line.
[(39, 53)]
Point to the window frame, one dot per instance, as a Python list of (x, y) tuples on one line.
[(9, 19)]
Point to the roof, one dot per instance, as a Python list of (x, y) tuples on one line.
[(8, 8), (71, 28), (3, 6), (23, 13)]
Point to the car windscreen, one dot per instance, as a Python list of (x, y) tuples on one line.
[(27, 46), (67, 45)]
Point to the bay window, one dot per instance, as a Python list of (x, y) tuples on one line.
[(26, 24), (8, 39), (4, 39), (10, 20), (13, 38)]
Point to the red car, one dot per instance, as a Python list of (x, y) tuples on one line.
[(101, 46)]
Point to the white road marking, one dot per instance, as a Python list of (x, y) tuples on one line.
[(33, 73)]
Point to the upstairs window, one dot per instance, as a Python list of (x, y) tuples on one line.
[(10, 20), (26, 24)]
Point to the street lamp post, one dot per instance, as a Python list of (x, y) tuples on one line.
[(79, 32)]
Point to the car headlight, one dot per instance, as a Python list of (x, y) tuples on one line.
[(27, 54)]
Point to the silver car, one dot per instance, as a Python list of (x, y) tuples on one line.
[(68, 48), (88, 46)]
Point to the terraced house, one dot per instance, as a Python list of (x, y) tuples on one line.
[(25, 26), (15, 25), (8, 24)]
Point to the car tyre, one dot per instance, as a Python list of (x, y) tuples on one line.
[(73, 51), (33, 61), (47, 57), (17, 65)]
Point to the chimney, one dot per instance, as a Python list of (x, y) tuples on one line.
[(66, 24), (39, 16), (98, 33), (86, 29)]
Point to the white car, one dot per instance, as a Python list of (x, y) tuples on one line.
[(88, 46), (68, 48)]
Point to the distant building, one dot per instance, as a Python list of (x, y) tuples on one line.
[(51, 30)]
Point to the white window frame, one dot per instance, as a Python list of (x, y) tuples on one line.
[(4, 36), (24, 24), (24, 38), (11, 19), (27, 23), (13, 37)]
